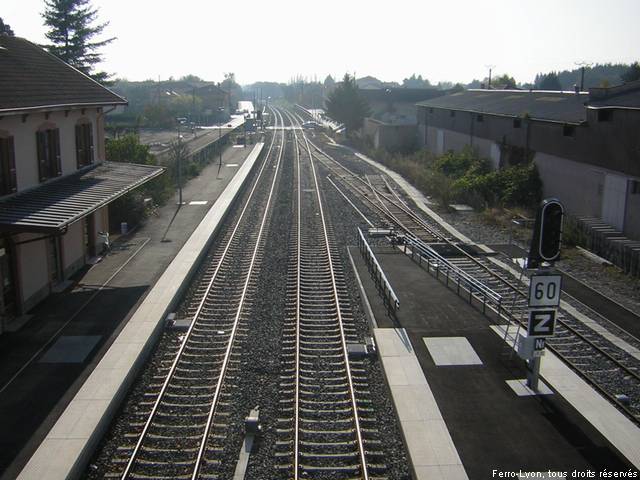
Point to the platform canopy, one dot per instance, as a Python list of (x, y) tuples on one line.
[(52, 207)]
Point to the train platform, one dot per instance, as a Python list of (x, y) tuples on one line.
[(62, 373), (459, 393)]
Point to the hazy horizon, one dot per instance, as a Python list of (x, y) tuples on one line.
[(279, 40)]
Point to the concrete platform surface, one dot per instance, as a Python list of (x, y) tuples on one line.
[(491, 427), (56, 404), (432, 453)]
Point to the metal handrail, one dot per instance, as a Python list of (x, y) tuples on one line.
[(449, 270), (367, 253)]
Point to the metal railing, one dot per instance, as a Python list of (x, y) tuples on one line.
[(389, 296), (453, 275)]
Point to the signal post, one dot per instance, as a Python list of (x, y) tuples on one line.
[(545, 286)]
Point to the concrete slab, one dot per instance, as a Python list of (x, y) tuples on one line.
[(519, 386), (198, 202), (429, 444), (70, 349), (446, 351)]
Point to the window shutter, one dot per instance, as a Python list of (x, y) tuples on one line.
[(58, 160), (13, 180), (41, 143), (79, 149), (89, 144)]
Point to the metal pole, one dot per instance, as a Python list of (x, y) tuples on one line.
[(179, 165), (533, 373)]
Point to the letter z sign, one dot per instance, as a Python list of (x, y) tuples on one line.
[(542, 323)]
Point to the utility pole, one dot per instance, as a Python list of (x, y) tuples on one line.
[(490, 67), (582, 65)]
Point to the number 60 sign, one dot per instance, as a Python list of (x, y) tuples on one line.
[(544, 290)]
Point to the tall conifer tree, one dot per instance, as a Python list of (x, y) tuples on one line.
[(71, 30)]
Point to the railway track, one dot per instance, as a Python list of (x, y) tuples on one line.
[(178, 431), (611, 370), (327, 428)]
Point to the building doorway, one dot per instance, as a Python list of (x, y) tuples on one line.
[(55, 266), (89, 228), (8, 308)]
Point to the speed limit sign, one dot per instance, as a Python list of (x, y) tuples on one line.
[(544, 290)]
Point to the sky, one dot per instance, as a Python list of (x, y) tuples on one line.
[(276, 40)]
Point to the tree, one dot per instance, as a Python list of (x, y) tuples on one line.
[(70, 33), (632, 73), (234, 90), (346, 105), (549, 81), (415, 82), (503, 82), (130, 208), (329, 82), (5, 29)]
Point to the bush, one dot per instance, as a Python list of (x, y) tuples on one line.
[(130, 208), (466, 178)]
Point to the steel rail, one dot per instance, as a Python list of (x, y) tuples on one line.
[(628, 370), (172, 369), (236, 320), (327, 246)]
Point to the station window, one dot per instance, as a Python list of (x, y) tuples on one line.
[(569, 130), (517, 122), (8, 183), (480, 118), (48, 143), (84, 144), (605, 115)]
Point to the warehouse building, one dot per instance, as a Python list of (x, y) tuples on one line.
[(586, 145)]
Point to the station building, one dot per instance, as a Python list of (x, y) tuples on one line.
[(586, 146), (55, 186)]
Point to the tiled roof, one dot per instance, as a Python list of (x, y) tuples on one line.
[(568, 107), (52, 207), (31, 78)]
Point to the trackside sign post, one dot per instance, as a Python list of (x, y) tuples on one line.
[(544, 287)]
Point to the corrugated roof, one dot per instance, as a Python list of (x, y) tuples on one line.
[(625, 100), (32, 78), (52, 207), (565, 107)]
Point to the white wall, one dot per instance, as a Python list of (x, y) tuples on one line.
[(24, 139), (577, 185)]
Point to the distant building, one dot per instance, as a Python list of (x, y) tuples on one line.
[(586, 145), (55, 187), (392, 123)]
